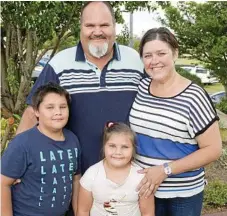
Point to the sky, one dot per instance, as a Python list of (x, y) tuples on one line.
[(142, 21)]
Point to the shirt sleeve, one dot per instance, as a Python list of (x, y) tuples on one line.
[(47, 75), (14, 161), (88, 178), (202, 113)]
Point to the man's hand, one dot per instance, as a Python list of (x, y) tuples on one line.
[(154, 176)]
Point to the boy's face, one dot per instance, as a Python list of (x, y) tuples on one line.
[(53, 112)]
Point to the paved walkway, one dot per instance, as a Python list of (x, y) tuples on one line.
[(217, 214)]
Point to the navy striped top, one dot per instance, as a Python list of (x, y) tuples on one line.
[(97, 95), (167, 128)]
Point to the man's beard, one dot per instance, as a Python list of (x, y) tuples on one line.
[(98, 51)]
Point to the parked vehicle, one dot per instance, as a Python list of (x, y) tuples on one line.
[(217, 97), (38, 68), (204, 74)]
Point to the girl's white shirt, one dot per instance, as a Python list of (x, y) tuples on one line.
[(122, 198)]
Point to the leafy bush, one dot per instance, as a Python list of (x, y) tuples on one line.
[(189, 76), (11, 123), (216, 194), (222, 106)]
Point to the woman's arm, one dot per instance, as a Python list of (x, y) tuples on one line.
[(147, 207), (76, 185), (85, 202), (6, 201), (210, 144)]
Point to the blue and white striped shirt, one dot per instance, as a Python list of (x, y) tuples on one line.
[(96, 97), (166, 130)]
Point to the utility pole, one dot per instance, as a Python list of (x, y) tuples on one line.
[(131, 42)]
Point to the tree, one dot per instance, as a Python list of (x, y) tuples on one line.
[(201, 29), (28, 31), (124, 37)]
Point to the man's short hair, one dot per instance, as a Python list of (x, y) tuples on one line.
[(105, 3)]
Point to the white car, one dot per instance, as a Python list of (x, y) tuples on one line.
[(202, 73)]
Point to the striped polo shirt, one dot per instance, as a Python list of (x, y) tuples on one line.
[(97, 95), (166, 129)]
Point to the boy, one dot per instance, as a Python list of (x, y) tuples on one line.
[(45, 158)]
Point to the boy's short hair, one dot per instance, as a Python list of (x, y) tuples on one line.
[(43, 90)]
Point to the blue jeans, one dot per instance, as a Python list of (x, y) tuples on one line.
[(180, 206)]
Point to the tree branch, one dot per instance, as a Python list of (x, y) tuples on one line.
[(20, 49)]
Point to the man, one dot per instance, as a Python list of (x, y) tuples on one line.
[(100, 75)]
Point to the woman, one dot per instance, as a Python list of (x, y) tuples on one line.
[(177, 128)]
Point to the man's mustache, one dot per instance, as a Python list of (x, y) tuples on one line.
[(97, 37)]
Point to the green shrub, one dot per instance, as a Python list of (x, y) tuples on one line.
[(222, 106), (215, 194), (189, 76)]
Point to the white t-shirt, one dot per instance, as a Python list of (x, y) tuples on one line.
[(119, 199)]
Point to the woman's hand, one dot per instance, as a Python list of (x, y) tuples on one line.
[(154, 176)]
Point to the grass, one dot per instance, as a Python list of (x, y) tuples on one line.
[(216, 87), (223, 134), (185, 61)]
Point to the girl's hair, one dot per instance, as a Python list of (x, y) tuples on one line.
[(162, 34), (119, 128)]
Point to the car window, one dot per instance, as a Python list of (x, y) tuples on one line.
[(188, 69), (201, 71)]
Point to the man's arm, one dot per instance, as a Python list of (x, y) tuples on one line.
[(28, 120), (76, 186), (6, 201)]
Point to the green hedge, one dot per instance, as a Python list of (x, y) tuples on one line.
[(215, 194), (222, 106), (189, 76)]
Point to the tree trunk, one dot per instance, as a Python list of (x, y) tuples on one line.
[(6, 95), (26, 78)]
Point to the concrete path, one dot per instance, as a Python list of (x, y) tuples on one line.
[(217, 214)]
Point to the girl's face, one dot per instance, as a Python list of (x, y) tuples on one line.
[(118, 150), (158, 59)]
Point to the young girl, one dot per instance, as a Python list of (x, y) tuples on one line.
[(109, 187)]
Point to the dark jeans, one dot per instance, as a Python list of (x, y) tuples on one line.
[(180, 206)]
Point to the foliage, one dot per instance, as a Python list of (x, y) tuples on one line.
[(222, 106), (201, 30), (13, 122), (136, 44), (124, 37), (216, 194), (189, 76)]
